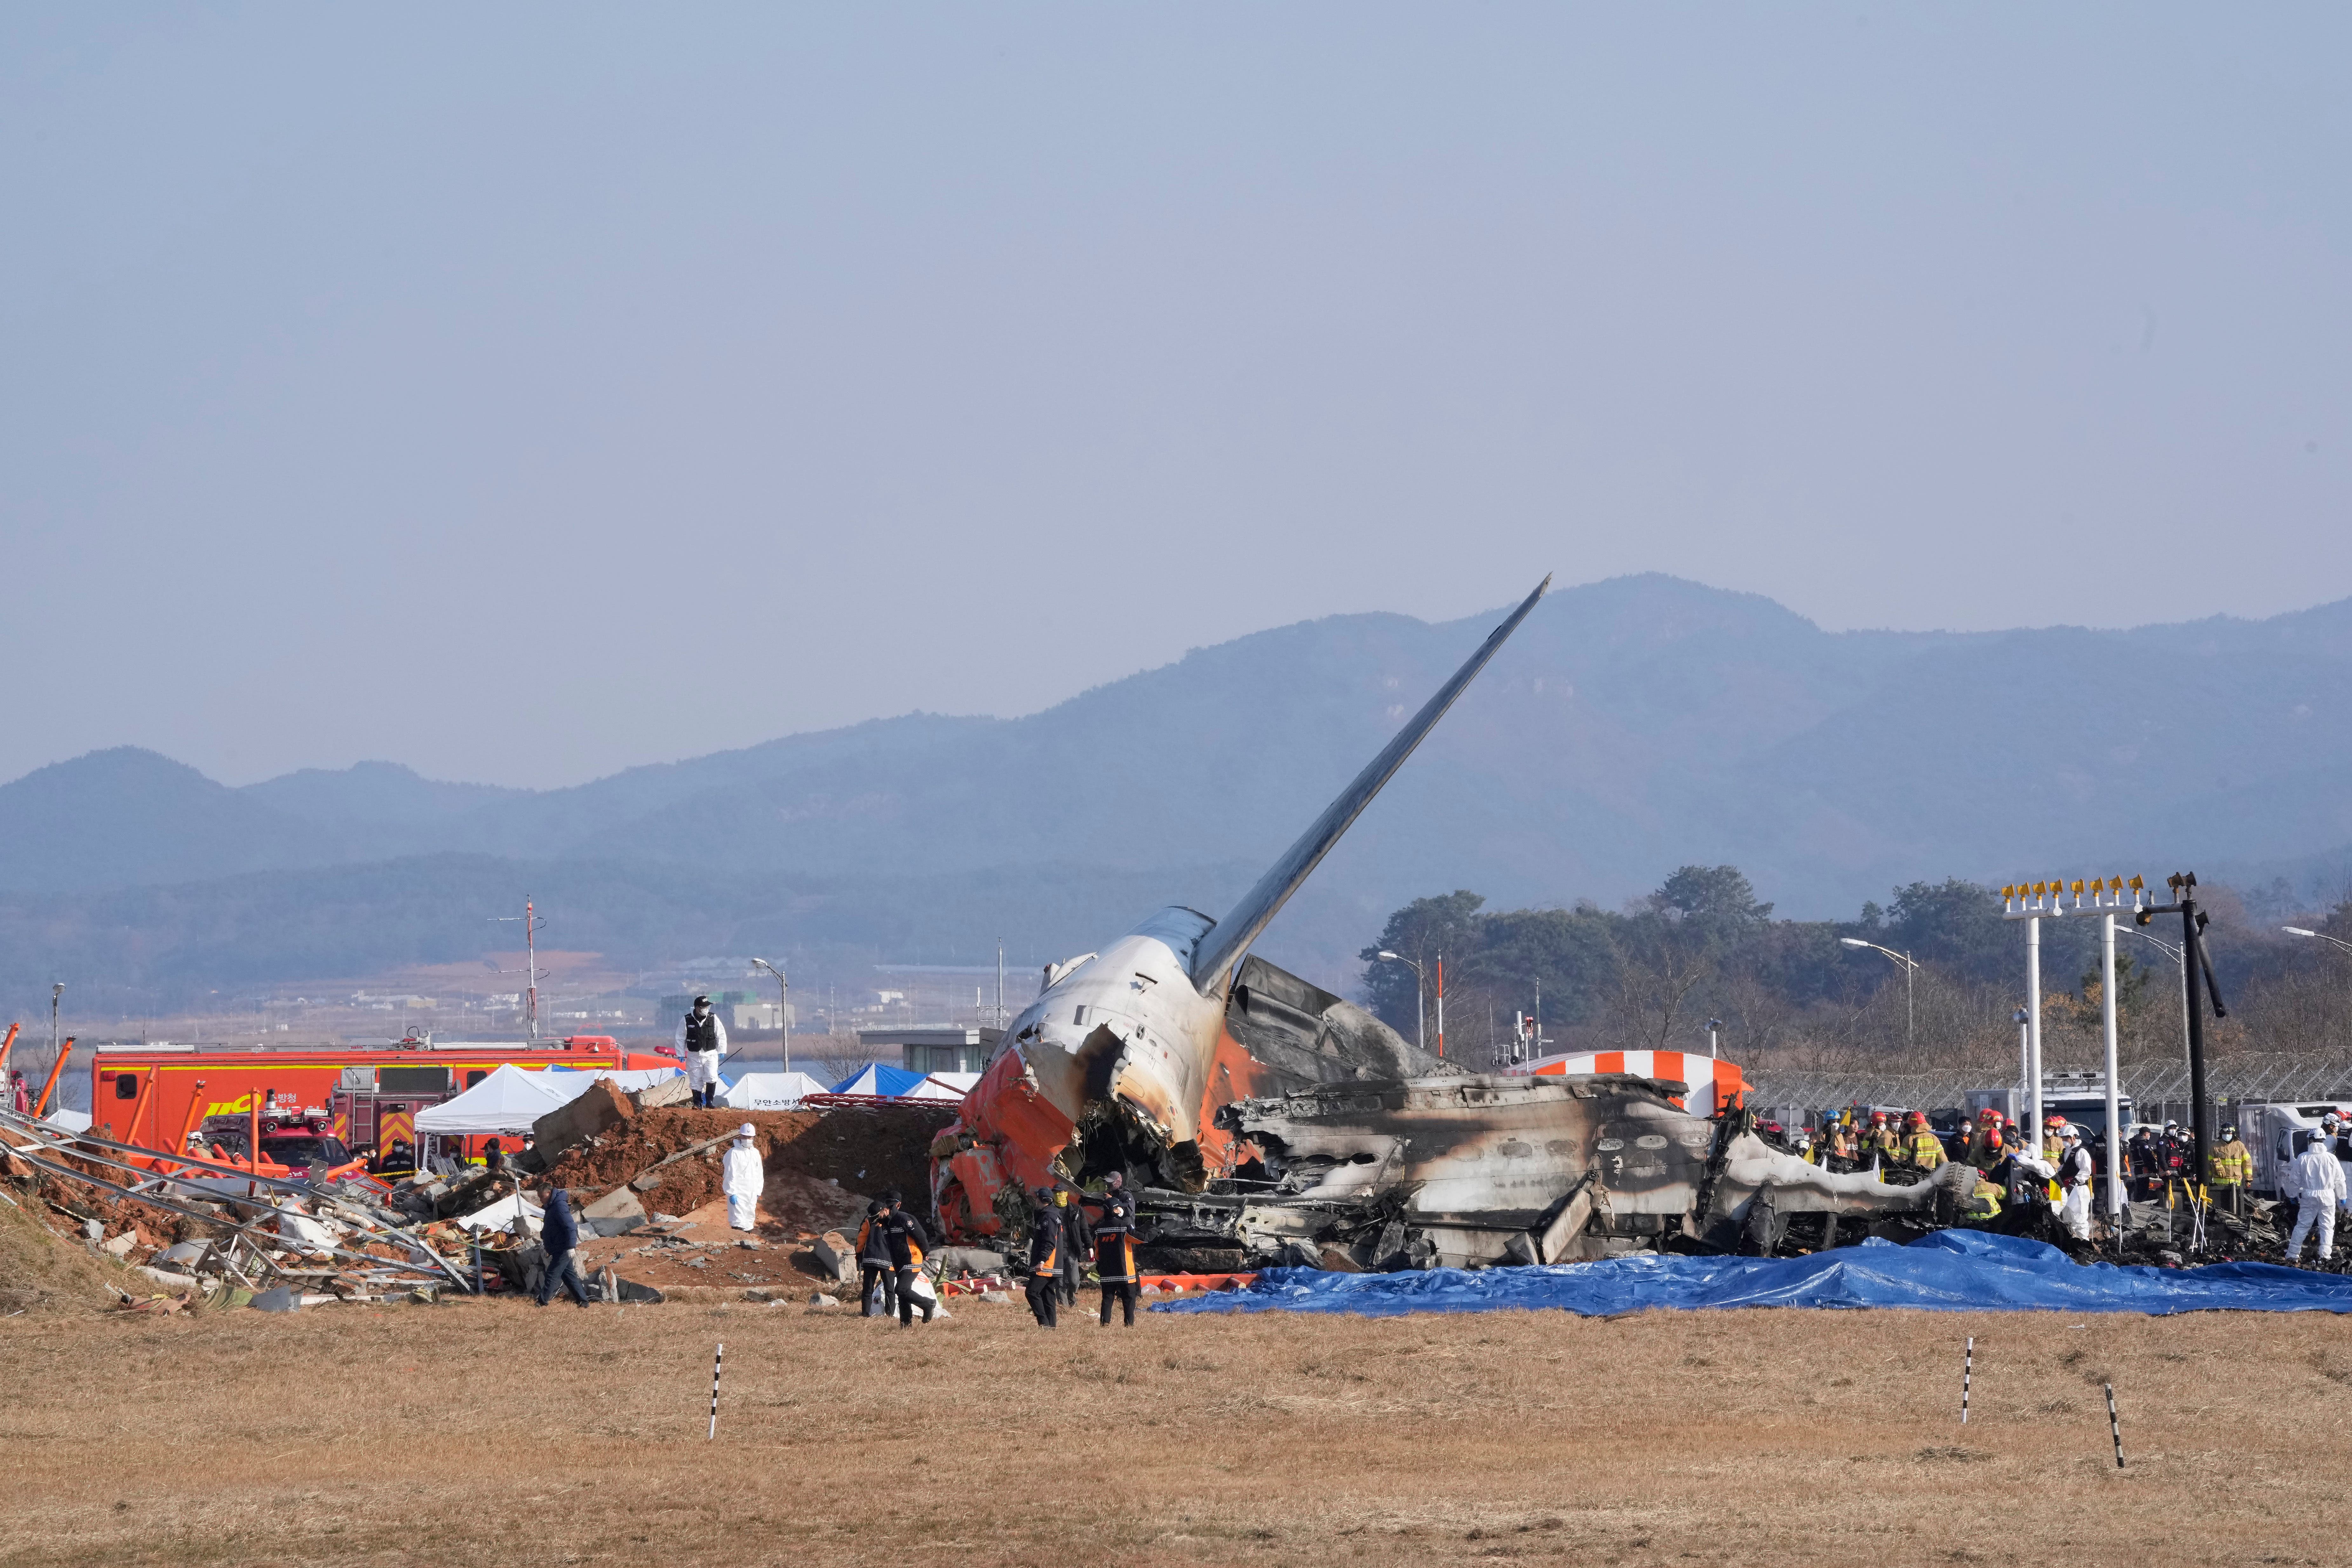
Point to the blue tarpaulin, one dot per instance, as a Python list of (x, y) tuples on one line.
[(1950, 1271)]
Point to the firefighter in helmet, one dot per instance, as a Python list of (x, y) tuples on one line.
[(2234, 1172), (1922, 1150)]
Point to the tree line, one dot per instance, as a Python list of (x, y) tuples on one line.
[(1797, 995)]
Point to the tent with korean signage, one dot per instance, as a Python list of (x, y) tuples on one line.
[(1700, 1072)]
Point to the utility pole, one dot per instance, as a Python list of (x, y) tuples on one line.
[(2194, 964), (55, 992), (1000, 982)]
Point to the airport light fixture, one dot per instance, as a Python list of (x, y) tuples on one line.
[(2034, 902), (784, 1009), (1910, 1013), (2317, 935), (1420, 1030), (1713, 1025)]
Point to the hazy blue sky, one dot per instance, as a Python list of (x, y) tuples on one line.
[(525, 394)]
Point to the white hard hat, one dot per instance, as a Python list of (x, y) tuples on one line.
[(747, 1131)]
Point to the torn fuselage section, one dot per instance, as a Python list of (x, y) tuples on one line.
[(1469, 1170), (1122, 1065)]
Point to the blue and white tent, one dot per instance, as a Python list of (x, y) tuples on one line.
[(880, 1080)]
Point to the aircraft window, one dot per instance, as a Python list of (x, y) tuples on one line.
[(1610, 1145), (1079, 1018), (1649, 1141)]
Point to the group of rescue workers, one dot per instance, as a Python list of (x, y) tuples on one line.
[(1060, 1236), (2063, 1169), (890, 1247)]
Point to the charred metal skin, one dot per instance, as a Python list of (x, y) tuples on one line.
[(1510, 1169), (1128, 1054)]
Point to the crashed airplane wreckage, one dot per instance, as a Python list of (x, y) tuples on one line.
[(1258, 1118)]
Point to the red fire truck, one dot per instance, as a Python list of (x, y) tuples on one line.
[(360, 1097)]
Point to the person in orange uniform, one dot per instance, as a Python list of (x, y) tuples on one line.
[(1044, 1292), (1115, 1249), (905, 1236)]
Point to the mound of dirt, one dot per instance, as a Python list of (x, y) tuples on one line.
[(864, 1149), (44, 1271)]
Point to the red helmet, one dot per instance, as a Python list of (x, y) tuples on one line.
[(2053, 1120), (1878, 1116), (1919, 1120)]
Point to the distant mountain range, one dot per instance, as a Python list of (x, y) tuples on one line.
[(1632, 726)]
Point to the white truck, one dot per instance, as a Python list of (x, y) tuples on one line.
[(2275, 1131)]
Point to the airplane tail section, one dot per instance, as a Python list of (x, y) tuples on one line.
[(1230, 938)]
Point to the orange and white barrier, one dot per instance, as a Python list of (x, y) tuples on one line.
[(1675, 1067)]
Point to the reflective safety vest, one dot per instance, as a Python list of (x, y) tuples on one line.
[(1927, 1151), (2233, 1165)]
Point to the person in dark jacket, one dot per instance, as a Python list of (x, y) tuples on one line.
[(1078, 1241), (559, 1234), (874, 1270), (1045, 1249), (903, 1233), (1115, 1249)]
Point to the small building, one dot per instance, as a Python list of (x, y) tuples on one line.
[(934, 1050)]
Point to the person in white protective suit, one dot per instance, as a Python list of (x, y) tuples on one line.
[(702, 1041), (741, 1177), (2075, 1184), (2315, 1180)]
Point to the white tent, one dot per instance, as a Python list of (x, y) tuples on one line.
[(509, 1101), (770, 1091), (569, 1083), (943, 1086)]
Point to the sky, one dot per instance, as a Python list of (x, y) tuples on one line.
[(526, 392)]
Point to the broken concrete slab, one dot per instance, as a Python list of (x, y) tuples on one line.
[(670, 1092), (599, 1109), (618, 1203), (833, 1254), (120, 1246)]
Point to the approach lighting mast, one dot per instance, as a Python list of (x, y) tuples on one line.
[(2056, 899)]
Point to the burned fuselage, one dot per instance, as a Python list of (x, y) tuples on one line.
[(1466, 1171)]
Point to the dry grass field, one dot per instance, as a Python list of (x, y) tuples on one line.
[(491, 1432)]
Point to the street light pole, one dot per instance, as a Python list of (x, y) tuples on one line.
[(2173, 953), (2318, 935), (1712, 1026), (55, 992), (784, 1010), (1910, 1012), (1420, 1025)]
